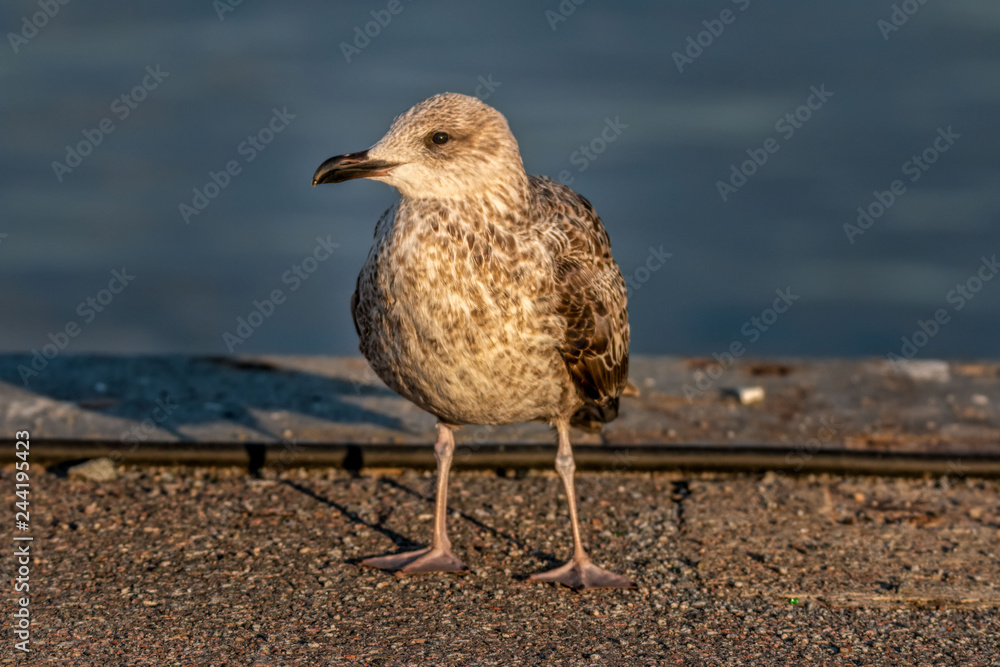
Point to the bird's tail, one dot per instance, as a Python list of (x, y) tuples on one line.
[(593, 415)]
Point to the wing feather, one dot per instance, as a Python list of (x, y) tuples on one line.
[(590, 297)]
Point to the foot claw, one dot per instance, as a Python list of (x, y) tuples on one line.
[(422, 561), (582, 576)]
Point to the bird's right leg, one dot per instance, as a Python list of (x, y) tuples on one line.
[(437, 557)]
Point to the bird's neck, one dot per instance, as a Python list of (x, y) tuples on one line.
[(508, 197)]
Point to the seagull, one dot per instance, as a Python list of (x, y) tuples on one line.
[(488, 297)]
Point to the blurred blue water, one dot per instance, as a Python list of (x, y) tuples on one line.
[(654, 185)]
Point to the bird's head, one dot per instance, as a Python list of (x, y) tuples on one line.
[(447, 146)]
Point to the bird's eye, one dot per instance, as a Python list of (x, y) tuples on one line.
[(440, 138)]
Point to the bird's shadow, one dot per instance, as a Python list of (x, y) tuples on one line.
[(549, 558), (398, 538), (406, 544)]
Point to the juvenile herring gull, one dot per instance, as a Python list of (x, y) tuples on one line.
[(488, 297)]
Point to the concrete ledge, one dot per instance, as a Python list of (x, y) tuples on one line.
[(848, 416)]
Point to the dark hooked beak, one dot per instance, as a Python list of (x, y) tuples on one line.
[(353, 165)]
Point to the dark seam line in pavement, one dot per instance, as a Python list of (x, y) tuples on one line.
[(680, 492)]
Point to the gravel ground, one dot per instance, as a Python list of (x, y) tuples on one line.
[(207, 566)]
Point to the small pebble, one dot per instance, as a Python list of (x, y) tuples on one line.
[(94, 470)]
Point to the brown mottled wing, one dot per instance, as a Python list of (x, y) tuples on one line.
[(591, 298)]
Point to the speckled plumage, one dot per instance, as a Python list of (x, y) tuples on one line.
[(495, 308), (488, 297)]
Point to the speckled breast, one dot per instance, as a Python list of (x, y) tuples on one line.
[(456, 316)]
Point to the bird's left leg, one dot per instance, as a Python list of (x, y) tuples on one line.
[(579, 573), (437, 557)]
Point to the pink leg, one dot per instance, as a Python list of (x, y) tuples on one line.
[(579, 573), (437, 557)]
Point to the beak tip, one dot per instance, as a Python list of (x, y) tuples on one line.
[(350, 166)]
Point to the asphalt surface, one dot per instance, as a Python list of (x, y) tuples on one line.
[(209, 566)]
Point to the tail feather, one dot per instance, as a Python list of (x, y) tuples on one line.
[(592, 416)]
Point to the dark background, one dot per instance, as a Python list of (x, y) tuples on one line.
[(655, 185)]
